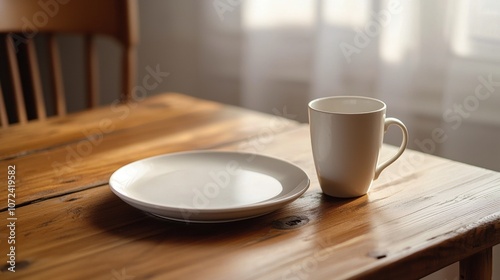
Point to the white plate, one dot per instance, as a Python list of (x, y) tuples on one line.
[(209, 186)]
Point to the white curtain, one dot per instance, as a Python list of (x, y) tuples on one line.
[(425, 59), (435, 63)]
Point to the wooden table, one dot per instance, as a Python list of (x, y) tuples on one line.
[(423, 213)]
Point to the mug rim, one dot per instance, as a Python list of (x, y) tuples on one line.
[(382, 103)]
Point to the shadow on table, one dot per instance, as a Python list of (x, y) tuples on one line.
[(118, 218)]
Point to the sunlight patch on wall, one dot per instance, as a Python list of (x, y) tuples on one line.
[(265, 14), (475, 31), (459, 41), (400, 35), (351, 13)]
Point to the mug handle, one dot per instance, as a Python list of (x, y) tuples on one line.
[(388, 122)]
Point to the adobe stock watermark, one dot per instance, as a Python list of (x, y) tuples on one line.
[(266, 135), (222, 178), (48, 9), (223, 6), (95, 136), (454, 116), (370, 30), (458, 113), (121, 275), (308, 265)]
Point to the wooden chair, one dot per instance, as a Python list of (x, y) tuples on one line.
[(21, 20)]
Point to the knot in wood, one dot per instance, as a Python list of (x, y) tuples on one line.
[(290, 222), (377, 254)]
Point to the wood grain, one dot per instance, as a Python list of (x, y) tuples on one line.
[(129, 58), (56, 76), (36, 79), (477, 266), (422, 214), (97, 143), (55, 132), (109, 17)]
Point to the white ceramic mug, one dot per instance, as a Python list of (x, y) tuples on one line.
[(346, 137)]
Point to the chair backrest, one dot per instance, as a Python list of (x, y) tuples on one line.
[(22, 20)]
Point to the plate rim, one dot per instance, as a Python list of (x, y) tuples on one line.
[(295, 192)]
